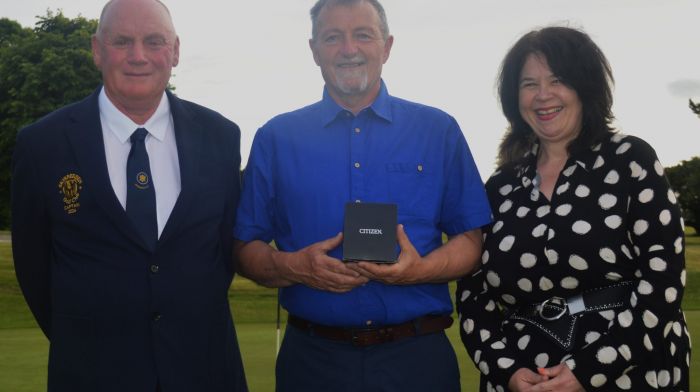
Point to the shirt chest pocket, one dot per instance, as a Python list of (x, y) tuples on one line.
[(413, 187)]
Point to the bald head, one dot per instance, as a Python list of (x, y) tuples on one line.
[(135, 47), (114, 10)]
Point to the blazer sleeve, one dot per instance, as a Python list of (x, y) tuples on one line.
[(31, 243), (235, 194)]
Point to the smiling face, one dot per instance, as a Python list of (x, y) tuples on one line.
[(135, 48), (350, 49), (551, 108)]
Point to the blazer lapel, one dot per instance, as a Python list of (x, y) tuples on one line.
[(188, 137), (85, 136)]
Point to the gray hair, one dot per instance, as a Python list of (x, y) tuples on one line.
[(320, 4)]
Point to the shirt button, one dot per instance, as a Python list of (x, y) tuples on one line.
[(156, 316), (357, 130), (154, 268), (357, 165), (369, 322), (420, 168)]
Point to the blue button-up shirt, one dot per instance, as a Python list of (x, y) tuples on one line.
[(305, 165)]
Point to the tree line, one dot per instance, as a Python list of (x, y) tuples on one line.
[(41, 69), (49, 66)]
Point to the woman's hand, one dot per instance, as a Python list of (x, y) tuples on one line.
[(557, 378), (524, 379)]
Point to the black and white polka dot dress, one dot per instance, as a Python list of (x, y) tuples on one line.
[(612, 218)]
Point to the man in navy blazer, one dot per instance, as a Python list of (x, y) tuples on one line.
[(122, 313)]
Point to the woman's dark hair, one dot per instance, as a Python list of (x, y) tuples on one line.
[(580, 64)]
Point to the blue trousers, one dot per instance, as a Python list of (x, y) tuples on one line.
[(313, 364)]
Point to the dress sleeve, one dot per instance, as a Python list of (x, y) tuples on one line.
[(480, 322), (651, 326)]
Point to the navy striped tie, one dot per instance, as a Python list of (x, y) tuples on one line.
[(140, 194)]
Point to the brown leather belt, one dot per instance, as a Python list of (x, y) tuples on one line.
[(363, 337)]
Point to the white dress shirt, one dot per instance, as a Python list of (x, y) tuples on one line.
[(160, 145)]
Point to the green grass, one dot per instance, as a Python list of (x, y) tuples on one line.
[(24, 350), (691, 296), (692, 252), (251, 303), (13, 310)]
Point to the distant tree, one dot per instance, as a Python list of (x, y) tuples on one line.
[(41, 69), (695, 107), (685, 181)]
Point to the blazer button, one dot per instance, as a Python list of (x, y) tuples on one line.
[(156, 316), (154, 268)]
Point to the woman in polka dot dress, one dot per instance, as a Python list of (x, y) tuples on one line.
[(583, 269)]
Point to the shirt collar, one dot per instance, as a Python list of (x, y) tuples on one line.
[(330, 110), (587, 158), (527, 169), (382, 104), (122, 126)]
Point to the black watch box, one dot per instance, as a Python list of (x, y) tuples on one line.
[(369, 233)]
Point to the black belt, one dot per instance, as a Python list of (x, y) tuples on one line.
[(557, 317), (363, 337)]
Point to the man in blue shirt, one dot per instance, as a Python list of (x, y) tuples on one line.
[(360, 326)]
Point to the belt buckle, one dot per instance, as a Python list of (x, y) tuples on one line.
[(554, 302), (357, 336), (362, 337), (354, 339)]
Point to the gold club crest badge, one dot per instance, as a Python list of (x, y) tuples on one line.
[(70, 186), (142, 180)]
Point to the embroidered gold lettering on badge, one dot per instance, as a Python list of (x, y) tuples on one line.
[(142, 181), (70, 186)]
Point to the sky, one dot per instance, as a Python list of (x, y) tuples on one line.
[(250, 60)]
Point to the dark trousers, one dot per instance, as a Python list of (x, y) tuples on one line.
[(314, 364)]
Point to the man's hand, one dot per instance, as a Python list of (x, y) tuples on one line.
[(452, 260), (406, 270), (313, 267), (310, 266)]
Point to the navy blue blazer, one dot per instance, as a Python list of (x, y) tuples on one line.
[(118, 316)]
